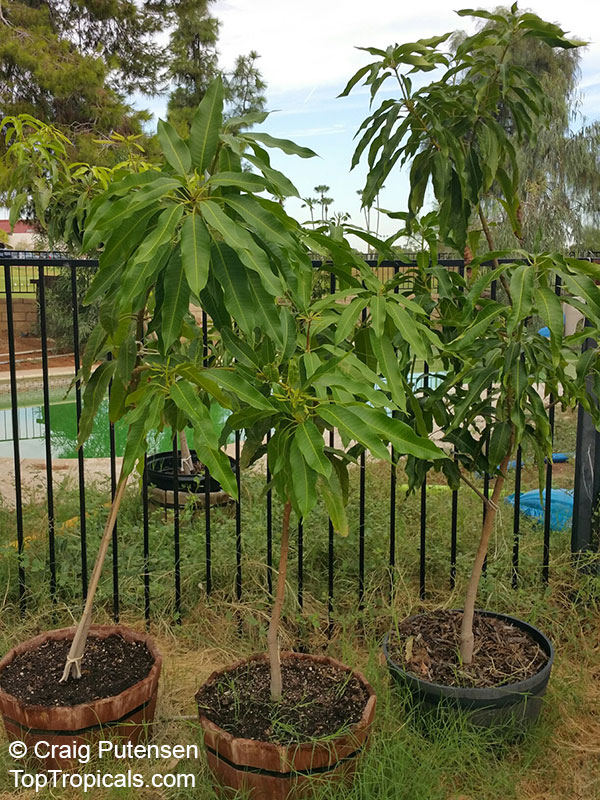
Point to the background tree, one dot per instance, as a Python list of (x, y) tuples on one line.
[(559, 167), (244, 86), (68, 63), (194, 64), (323, 201), (310, 203)]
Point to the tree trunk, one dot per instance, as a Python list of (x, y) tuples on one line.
[(187, 465), (73, 662), (466, 631), (273, 634)]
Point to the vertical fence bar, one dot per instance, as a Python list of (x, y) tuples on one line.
[(113, 490), (47, 433), (176, 548), (361, 519), (238, 522), (330, 539), (393, 482), (584, 530), (423, 527), (486, 477), (80, 453), (14, 409), (517, 519), (269, 527), (300, 563), (207, 526), (392, 557), (549, 465), (146, 534), (361, 532), (453, 537)]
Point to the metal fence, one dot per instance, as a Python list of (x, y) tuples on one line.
[(13, 421)]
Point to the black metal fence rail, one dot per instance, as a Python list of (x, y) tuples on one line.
[(44, 429)]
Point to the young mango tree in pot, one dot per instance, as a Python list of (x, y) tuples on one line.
[(500, 379), (262, 731), (166, 236)]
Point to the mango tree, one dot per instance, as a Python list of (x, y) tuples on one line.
[(493, 360)]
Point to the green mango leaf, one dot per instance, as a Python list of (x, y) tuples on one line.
[(187, 400), (331, 492), (377, 306), (232, 276), (407, 328), (349, 422), (135, 447), (521, 290), (388, 365), (126, 358), (304, 484), (499, 444), (195, 252), (246, 181), (244, 245), (206, 124), (240, 388), (116, 253), (176, 300), (162, 234), (94, 393), (259, 218), (404, 440), (218, 465), (286, 145), (310, 442), (348, 318), (550, 310), (174, 148)]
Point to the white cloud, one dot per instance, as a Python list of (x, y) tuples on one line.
[(312, 43)]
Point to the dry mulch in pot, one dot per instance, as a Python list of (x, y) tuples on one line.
[(427, 646), (109, 666), (319, 700)]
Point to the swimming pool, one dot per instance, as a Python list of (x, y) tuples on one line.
[(63, 432)]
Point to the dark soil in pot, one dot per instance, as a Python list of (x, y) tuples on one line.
[(318, 700), (109, 666), (504, 686), (427, 647)]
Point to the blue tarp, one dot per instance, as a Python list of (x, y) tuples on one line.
[(561, 507)]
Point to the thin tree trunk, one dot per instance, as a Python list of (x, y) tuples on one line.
[(466, 631), (73, 662), (273, 634), (187, 465)]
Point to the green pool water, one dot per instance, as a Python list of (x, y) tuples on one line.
[(63, 431)]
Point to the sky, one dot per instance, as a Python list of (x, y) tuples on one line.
[(308, 53)]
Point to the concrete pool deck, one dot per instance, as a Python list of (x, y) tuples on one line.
[(29, 380)]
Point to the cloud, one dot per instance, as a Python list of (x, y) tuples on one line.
[(312, 45)]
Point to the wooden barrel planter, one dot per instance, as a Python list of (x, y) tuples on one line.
[(269, 771), (124, 717), (159, 470)]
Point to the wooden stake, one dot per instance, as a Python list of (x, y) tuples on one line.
[(73, 662)]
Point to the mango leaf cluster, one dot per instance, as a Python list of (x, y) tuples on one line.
[(496, 373), (449, 131), (198, 230)]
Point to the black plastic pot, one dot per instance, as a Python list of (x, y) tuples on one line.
[(515, 704), (160, 476)]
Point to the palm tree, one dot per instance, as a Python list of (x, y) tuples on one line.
[(323, 201), (310, 203)]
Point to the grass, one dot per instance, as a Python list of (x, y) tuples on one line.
[(445, 760)]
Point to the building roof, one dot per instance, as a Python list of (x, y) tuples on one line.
[(20, 227)]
